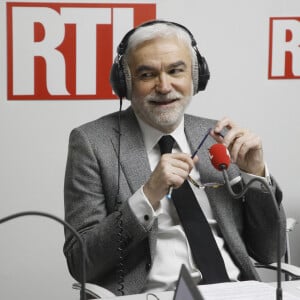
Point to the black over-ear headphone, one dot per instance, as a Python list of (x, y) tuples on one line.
[(117, 75)]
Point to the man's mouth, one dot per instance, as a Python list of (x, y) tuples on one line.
[(163, 102)]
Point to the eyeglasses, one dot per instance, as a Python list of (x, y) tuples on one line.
[(206, 184), (201, 185)]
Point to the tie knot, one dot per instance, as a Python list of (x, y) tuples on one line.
[(166, 144)]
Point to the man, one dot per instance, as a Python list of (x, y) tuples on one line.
[(117, 179)]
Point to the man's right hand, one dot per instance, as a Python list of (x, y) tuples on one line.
[(172, 170)]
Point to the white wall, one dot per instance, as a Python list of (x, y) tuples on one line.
[(233, 35)]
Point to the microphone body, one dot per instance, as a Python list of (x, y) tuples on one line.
[(68, 226), (220, 159)]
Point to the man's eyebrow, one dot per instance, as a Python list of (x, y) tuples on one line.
[(179, 63), (143, 68)]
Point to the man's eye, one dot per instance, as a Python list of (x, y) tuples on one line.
[(176, 71), (146, 76)]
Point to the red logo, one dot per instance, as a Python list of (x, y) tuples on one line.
[(64, 51), (284, 48)]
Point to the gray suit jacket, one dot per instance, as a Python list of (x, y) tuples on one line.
[(248, 226)]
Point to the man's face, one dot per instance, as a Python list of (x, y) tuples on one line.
[(161, 81)]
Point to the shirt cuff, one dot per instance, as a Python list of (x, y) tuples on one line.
[(142, 208), (247, 177)]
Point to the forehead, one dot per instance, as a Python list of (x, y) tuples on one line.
[(160, 50)]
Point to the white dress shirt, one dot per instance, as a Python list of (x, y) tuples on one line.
[(172, 248)]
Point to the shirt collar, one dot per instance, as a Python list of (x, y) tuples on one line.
[(151, 135)]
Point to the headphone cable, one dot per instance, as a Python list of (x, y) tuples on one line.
[(120, 237)]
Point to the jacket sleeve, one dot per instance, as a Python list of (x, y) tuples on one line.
[(262, 223), (88, 210)]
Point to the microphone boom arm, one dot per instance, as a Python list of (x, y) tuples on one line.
[(76, 234)]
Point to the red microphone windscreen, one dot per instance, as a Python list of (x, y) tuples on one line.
[(219, 156)]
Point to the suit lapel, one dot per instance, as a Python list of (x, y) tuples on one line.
[(207, 172), (133, 156)]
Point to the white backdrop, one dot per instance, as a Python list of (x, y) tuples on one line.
[(233, 35)]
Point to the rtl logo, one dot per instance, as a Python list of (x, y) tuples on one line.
[(65, 51), (284, 48)]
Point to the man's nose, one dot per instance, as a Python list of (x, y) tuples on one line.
[(163, 84)]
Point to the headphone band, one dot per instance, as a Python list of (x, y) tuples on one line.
[(124, 43)]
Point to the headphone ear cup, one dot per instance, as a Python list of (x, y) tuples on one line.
[(117, 80), (204, 74)]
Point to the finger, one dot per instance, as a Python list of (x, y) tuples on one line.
[(171, 172), (180, 160), (235, 148), (196, 159), (225, 122), (216, 132), (233, 135), (244, 144), (177, 178), (217, 136)]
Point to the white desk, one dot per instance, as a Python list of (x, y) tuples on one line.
[(292, 287), (248, 290)]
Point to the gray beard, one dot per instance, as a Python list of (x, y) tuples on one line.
[(165, 121)]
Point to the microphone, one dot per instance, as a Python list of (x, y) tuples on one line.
[(220, 159), (219, 156), (68, 226)]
